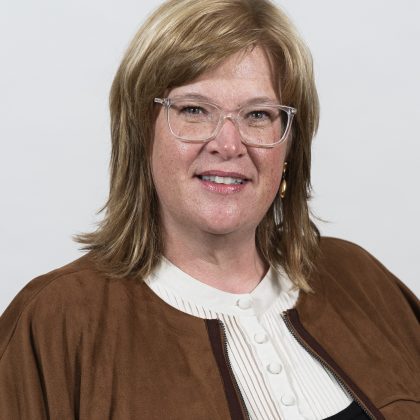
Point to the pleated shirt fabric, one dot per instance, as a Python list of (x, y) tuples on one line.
[(277, 377)]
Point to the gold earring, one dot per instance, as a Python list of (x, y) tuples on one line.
[(283, 183)]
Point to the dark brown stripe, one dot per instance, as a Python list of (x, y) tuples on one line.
[(219, 352), (293, 316)]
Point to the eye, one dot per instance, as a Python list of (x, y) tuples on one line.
[(259, 115), (192, 110)]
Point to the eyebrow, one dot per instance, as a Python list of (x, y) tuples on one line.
[(256, 100), (262, 100)]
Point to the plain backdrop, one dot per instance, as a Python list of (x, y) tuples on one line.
[(58, 59)]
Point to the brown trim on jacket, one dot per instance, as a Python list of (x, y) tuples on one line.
[(234, 398)]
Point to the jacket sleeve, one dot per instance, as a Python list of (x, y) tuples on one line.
[(38, 362)]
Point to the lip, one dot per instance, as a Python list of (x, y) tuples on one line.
[(222, 188), (223, 174)]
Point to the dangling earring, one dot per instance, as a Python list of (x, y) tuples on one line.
[(283, 183)]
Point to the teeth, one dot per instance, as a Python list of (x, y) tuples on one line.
[(222, 179)]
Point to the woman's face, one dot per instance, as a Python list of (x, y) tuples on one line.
[(190, 204)]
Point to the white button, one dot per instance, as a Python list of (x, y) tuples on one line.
[(260, 337), (274, 368), (287, 399), (244, 303)]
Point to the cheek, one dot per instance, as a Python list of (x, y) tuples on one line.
[(163, 155), (270, 163), (171, 159)]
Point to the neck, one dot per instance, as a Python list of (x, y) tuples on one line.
[(228, 262)]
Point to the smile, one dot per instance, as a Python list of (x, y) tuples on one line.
[(227, 180)]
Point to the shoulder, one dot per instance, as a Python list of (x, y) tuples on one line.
[(66, 283), (348, 259), (71, 297), (342, 252), (345, 267)]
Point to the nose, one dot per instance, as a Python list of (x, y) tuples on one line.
[(227, 143)]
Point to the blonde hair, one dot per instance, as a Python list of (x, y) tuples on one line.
[(178, 42)]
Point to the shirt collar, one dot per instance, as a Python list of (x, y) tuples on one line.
[(255, 303)]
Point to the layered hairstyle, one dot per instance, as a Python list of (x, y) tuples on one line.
[(177, 43)]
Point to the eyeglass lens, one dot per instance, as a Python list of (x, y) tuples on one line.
[(199, 121)]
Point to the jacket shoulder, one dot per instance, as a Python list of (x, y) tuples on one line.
[(342, 250), (354, 268), (63, 292), (339, 255)]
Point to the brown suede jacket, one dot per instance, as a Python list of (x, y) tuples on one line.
[(75, 344)]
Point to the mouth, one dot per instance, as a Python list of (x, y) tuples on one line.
[(226, 180), (222, 178)]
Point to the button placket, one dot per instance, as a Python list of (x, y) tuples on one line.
[(273, 366), (263, 346)]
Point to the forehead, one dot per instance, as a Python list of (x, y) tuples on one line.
[(238, 78)]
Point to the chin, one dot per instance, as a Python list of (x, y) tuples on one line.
[(219, 230), (223, 225)]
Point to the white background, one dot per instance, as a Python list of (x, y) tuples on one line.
[(58, 59)]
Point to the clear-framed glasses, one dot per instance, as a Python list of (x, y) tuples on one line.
[(196, 121)]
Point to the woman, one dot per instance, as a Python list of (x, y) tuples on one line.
[(207, 292)]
